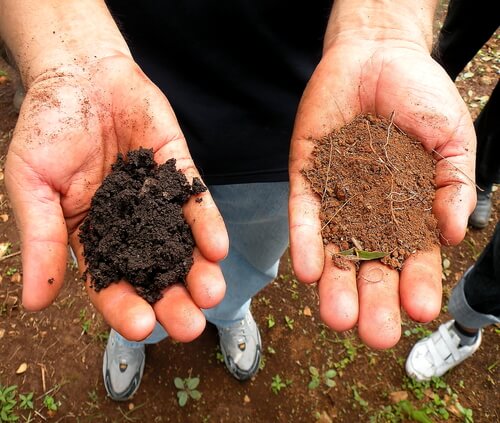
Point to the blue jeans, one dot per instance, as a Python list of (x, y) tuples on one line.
[(256, 219), (475, 301)]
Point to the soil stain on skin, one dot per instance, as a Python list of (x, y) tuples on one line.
[(135, 229), (376, 186)]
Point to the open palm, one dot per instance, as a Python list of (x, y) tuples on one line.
[(70, 130), (355, 78)]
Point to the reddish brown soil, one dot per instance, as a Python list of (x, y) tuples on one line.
[(376, 187), (135, 229)]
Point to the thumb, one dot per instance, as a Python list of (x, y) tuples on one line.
[(43, 233)]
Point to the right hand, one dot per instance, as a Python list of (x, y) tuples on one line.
[(71, 127)]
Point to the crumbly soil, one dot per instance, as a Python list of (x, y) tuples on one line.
[(63, 345), (135, 229), (376, 186)]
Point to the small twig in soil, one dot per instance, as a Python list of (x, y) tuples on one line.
[(55, 388), (40, 415), (328, 170), (337, 212), (389, 130), (456, 168), (8, 256), (371, 139), (42, 370)]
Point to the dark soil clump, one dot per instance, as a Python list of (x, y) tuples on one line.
[(376, 186), (135, 229)]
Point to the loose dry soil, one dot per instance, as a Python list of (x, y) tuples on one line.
[(62, 346), (376, 187)]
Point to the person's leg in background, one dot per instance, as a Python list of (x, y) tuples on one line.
[(256, 217), (474, 304), (467, 27), (487, 127)]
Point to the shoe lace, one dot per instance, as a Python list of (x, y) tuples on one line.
[(238, 333)]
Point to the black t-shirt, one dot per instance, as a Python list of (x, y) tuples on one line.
[(233, 71)]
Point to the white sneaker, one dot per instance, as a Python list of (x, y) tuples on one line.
[(241, 347), (438, 353)]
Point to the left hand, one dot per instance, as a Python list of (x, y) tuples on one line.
[(361, 76)]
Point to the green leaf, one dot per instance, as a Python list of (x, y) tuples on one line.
[(330, 383), (195, 394), (192, 383), (330, 373), (179, 383), (183, 397), (355, 254), (370, 255), (349, 252), (313, 370), (313, 384)]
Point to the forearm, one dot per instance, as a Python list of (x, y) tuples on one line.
[(58, 34), (377, 20)]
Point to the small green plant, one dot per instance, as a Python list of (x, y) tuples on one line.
[(271, 350), (357, 397), (187, 389), (277, 384), (50, 403), (316, 378), (270, 321), (85, 322), (289, 322), (11, 271), (7, 403), (3, 73), (418, 330), (219, 357), (26, 401)]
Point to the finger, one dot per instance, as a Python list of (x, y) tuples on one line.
[(323, 108), (379, 315), (120, 305), (455, 197), (420, 285), (453, 204), (124, 310), (338, 294), (306, 245), (177, 313), (43, 233), (205, 282)]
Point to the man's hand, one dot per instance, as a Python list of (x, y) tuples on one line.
[(72, 124), (380, 72)]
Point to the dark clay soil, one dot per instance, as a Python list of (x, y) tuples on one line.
[(376, 186), (136, 230)]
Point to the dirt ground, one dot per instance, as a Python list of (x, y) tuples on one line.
[(309, 373)]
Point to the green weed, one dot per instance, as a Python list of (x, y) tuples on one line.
[(187, 389)]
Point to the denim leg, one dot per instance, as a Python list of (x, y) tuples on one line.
[(475, 301), (256, 218)]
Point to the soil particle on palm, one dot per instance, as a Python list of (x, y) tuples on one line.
[(135, 229), (376, 186)]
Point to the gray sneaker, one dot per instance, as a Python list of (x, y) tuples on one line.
[(481, 215), (122, 368), (241, 347)]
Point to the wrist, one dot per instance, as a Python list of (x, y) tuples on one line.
[(402, 22), (65, 36)]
